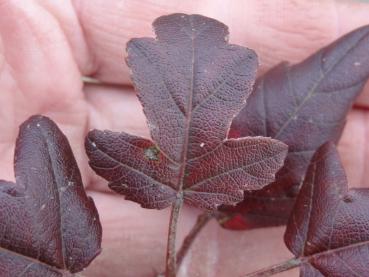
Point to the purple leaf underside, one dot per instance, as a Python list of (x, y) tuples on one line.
[(48, 225), (191, 83), (329, 226), (302, 105)]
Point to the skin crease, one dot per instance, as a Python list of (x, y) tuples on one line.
[(45, 48)]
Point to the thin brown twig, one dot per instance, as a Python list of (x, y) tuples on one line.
[(201, 222)]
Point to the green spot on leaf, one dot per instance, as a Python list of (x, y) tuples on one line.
[(152, 153)]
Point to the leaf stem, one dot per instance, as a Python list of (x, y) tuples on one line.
[(201, 222), (171, 264), (274, 269)]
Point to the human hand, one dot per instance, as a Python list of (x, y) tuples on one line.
[(45, 47)]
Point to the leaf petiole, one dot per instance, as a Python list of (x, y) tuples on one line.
[(201, 222), (274, 269), (171, 263)]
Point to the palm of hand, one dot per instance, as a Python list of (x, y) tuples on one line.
[(45, 48)]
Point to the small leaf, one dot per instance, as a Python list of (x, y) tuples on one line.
[(191, 83), (329, 226), (303, 105), (48, 225)]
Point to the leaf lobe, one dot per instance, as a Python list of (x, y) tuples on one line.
[(48, 222), (329, 226), (191, 83), (303, 105)]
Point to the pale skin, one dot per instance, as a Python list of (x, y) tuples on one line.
[(45, 48)]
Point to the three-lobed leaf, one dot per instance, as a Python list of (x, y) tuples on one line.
[(303, 105), (329, 227), (48, 225), (191, 83)]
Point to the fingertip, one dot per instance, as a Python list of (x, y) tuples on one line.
[(351, 15), (2, 58), (363, 100)]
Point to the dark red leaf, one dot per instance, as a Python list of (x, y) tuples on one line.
[(191, 83), (329, 226), (303, 105), (258, 211), (48, 225)]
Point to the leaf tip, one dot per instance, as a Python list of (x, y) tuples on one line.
[(36, 121), (189, 24)]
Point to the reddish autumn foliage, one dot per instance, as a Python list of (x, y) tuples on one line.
[(191, 83), (303, 105), (48, 225), (329, 227)]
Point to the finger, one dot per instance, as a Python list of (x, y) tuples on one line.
[(277, 30), (38, 75), (351, 15), (354, 148), (66, 18), (114, 108), (36, 54), (134, 243)]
